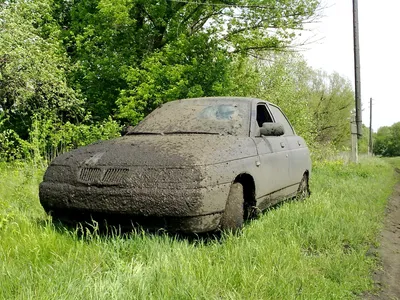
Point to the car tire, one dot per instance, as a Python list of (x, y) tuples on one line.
[(303, 192), (232, 219)]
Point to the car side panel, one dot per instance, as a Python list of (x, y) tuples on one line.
[(299, 158), (272, 178), (274, 164), (222, 175)]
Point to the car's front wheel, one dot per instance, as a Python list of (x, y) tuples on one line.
[(232, 219), (303, 191)]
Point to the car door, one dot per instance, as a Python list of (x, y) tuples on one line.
[(273, 171), (298, 153)]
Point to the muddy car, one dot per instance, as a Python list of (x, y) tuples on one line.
[(192, 165)]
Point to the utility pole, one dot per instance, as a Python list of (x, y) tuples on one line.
[(370, 128), (357, 68), (354, 141)]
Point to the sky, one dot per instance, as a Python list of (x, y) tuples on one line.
[(379, 52)]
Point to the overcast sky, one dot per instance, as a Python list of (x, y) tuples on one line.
[(379, 50)]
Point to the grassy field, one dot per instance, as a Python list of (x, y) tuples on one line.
[(316, 249)]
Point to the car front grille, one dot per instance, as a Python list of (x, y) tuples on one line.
[(143, 177), (90, 174), (108, 176), (115, 175)]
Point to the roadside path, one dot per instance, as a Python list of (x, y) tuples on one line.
[(388, 278)]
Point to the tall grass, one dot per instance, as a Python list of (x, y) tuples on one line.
[(316, 249)]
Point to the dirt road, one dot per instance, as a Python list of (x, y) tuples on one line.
[(388, 278)]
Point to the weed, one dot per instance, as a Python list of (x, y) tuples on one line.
[(316, 249)]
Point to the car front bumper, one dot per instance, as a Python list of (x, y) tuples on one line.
[(188, 210)]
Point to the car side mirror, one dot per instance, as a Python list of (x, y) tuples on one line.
[(272, 129)]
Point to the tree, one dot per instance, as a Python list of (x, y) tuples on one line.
[(363, 142), (64, 61), (286, 82), (317, 104), (114, 45), (32, 67), (331, 101), (387, 141), (175, 72)]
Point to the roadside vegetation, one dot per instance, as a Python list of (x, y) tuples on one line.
[(387, 141), (319, 248), (75, 72)]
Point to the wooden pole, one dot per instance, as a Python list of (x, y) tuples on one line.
[(370, 128), (357, 68), (354, 139)]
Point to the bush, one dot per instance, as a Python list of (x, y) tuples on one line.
[(49, 137)]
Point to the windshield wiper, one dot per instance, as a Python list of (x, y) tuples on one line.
[(191, 132), (171, 132), (144, 133)]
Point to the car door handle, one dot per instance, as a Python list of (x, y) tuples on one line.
[(282, 145), (298, 143)]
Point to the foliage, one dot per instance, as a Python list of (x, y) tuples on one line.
[(48, 137), (175, 72), (12, 146), (64, 60), (363, 142), (285, 82), (387, 141), (32, 67), (134, 54), (317, 104), (313, 249), (332, 101)]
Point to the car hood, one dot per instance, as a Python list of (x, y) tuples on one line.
[(160, 150)]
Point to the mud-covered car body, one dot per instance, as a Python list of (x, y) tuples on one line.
[(176, 167)]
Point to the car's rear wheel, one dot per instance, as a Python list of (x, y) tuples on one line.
[(232, 219), (303, 191)]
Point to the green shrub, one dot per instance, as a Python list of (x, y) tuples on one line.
[(48, 137)]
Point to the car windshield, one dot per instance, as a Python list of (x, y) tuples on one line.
[(222, 116)]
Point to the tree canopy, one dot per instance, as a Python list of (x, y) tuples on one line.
[(136, 54), (387, 141), (33, 67), (71, 64)]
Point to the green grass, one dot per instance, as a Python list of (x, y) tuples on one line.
[(316, 249)]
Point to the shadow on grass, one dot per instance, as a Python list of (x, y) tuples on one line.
[(106, 226), (89, 229)]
